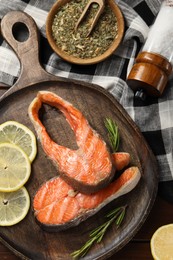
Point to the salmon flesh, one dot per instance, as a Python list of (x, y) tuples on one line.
[(88, 168), (120, 160), (57, 206)]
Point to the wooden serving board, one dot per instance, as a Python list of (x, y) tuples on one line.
[(26, 238)]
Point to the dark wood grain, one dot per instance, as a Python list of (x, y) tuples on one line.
[(139, 247), (132, 251), (96, 104)]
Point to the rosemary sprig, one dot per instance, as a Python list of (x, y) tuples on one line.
[(116, 215), (113, 133)]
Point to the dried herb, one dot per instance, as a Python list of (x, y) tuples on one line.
[(76, 43), (116, 216)]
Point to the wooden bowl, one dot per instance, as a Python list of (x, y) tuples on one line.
[(85, 61)]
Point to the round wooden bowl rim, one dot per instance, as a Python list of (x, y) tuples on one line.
[(80, 61)]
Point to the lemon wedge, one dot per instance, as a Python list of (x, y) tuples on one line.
[(13, 206), (16, 133), (162, 243), (15, 167)]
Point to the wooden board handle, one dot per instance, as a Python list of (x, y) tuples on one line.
[(27, 49)]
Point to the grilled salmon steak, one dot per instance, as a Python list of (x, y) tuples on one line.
[(121, 160), (57, 206), (88, 168)]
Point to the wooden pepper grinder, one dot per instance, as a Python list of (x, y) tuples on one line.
[(153, 65)]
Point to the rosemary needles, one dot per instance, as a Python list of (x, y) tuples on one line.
[(116, 216), (113, 133)]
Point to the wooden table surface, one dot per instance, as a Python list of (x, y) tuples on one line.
[(139, 247)]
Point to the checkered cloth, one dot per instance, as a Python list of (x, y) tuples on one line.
[(154, 116)]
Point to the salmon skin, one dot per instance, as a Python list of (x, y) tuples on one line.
[(87, 169), (58, 207)]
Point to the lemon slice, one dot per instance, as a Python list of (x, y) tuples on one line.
[(16, 133), (15, 167), (162, 243), (13, 206)]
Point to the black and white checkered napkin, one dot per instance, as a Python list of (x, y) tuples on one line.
[(154, 116)]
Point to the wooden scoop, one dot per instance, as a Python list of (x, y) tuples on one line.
[(101, 4)]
